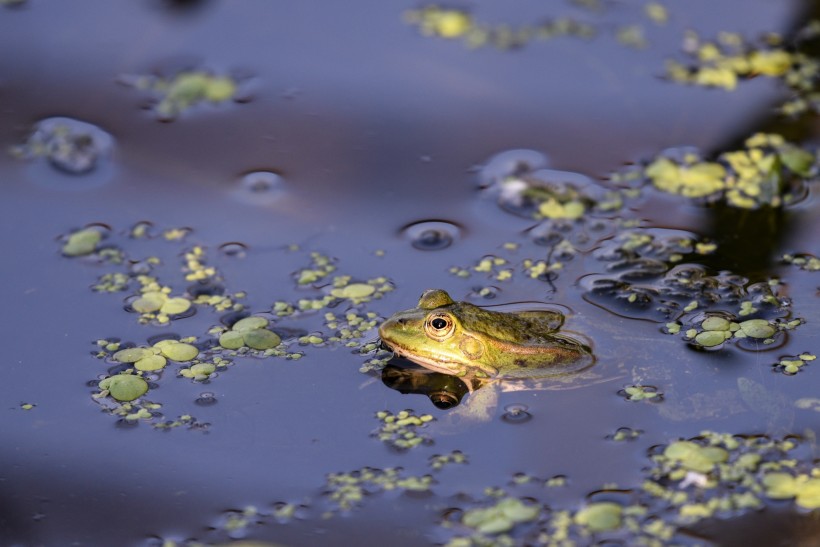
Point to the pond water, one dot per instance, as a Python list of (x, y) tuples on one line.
[(171, 168)]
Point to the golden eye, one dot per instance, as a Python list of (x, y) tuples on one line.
[(439, 326)]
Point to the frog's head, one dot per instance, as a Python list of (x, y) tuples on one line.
[(432, 335)]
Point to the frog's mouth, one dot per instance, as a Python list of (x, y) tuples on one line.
[(436, 363)]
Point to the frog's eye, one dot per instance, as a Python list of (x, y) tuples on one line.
[(439, 326)]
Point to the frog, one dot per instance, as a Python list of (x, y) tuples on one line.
[(475, 343)]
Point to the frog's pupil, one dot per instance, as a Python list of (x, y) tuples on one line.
[(439, 323)]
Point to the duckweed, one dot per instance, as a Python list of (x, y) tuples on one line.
[(716, 329), (178, 93), (501, 517), (439, 461), (321, 267), (641, 393), (250, 332), (694, 456), (358, 293), (352, 326), (400, 430), (82, 242), (132, 355), (600, 517), (347, 490), (250, 323), (124, 387), (112, 282), (712, 338), (446, 23), (151, 363), (154, 302), (177, 351), (804, 489), (261, 339), (632, 36), (807, 262), (153, 358), (354, 292), (730, 59), (768, 171), (453, 24), (757, 328), (657, 12), (793, 365), (232, 339), (198, 371), (625, 434)]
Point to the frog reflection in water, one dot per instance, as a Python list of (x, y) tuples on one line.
[(480, 345)]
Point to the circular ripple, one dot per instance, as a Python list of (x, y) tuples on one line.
[(431, 235)]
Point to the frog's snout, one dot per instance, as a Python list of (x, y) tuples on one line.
[(391, 328)]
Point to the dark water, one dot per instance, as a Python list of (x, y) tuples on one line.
[(371, 128)]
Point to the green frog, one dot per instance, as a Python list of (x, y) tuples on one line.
[(474, 343)]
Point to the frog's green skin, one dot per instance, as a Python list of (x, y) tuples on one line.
[(465, 340)]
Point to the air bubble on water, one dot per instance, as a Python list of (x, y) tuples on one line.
[(68, 154), (510, 163), (431, 235), (234, 249), (206, 399), (259, 188), (516, 414)]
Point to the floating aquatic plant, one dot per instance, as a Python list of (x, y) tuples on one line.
[(401, 430)]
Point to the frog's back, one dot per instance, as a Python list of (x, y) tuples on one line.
[(524, 328)]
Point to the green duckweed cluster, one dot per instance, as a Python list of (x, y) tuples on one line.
[(641, 393), (715, 329), (807, 262), (400, 430), (793, 365), (713, 475), (768, 171), (341, 289), (321, 266), (238, 523), (378, 359), (544, 195), (138, 369), (250, 332), (716, 474), (347, 490), (175, 94), (725, 61), (500, 517), (494, 267), (155, 303), (150, 359), (730, 59), (439, 461), (143, 361), (455, 24), (623, 434), (82, 242)]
